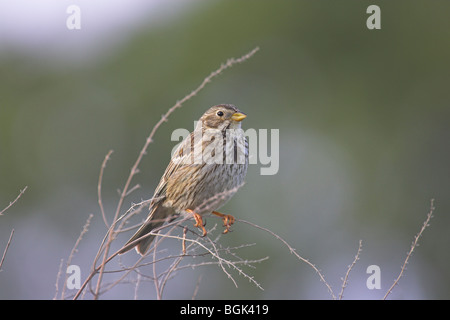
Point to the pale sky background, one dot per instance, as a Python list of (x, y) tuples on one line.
[(39, 27)]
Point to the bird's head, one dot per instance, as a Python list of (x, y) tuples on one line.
[(222, 116)]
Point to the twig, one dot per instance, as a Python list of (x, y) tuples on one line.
[(292, 250), (197, 286), (57, 279), (413, 246), (350, 267), (95, 270), (138, 281), (99, 188), (155, 275), (183, 243), (6, 249), (15, 200), (221, 263), (12, 231), (215, 254), (172, 268), (211, 203), (74, 250)]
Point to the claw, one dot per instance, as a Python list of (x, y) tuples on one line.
[(228, 220), (198, 221)]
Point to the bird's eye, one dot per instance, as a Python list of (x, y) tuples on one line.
[(219, 113)]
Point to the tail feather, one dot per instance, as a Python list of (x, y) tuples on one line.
[(156, 218)]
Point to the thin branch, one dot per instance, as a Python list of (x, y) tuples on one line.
[(57, 279), (183, 243), (292, 250), (215, 254), (12, 231), (155, 275), (75, 249), (413, 246), (211, 203), (6, 249), (197, 286), (99, 187), (15, 200), (350, 267), (171, 269), (138, 282), (96, 270)]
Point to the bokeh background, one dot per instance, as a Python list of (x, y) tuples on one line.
[(364, 120)]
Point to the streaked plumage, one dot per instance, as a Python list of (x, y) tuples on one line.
[(198, 179)]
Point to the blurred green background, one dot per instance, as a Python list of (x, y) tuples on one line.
[(364, 137)]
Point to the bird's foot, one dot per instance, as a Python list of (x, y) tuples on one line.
[(228, 220), (198, 221)]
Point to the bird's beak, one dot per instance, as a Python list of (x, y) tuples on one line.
[(238, 116)]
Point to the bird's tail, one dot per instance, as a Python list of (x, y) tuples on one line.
[(155, 219)]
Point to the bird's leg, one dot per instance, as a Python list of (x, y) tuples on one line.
[(228, 220), (198, 221)]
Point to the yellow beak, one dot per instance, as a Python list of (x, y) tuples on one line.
[(238, 116)]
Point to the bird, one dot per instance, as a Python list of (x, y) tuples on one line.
[(204, 172)]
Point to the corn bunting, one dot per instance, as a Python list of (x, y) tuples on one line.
[(204, 172)]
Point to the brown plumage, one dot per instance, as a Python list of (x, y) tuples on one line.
[(203, 174)]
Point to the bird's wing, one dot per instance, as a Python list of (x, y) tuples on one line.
[(183, 155)]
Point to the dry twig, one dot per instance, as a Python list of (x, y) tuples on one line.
[(12, 231), (6, 249), (99, 187), (75, 249), (413, 246), (292, 250), (350, 267), (15, 200)]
